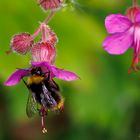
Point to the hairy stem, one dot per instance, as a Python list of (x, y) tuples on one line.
[(46, 21), (50, 16)]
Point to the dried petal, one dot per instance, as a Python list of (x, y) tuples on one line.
[(21, 43), (43, 52), (48, 35), (52, 38)]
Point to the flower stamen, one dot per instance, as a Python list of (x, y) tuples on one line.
[(132, 67)]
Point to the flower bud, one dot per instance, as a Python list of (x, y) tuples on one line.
[(21, 43), (50, 4)]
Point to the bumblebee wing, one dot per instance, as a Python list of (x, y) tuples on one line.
[(46, 98), (32, 106)]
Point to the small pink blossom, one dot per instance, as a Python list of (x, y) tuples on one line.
[(43, 52), (124, 34), (50, 4), (21, 43)]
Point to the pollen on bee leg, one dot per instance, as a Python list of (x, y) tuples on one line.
[(44, 130), (61, 104)]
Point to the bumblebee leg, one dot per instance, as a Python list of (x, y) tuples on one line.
[(48, 78), (44, 130)]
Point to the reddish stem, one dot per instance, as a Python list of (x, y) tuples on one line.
[(50, 16), (46, 21)]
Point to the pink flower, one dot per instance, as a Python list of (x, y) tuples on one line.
[(21, 43), (16, 77), (125, 34), (50, 4)]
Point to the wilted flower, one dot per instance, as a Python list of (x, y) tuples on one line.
[(125, 33), (50, 4)]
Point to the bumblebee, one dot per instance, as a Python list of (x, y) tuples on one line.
[(44, 94)]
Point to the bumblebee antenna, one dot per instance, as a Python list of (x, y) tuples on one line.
[(25, 83)]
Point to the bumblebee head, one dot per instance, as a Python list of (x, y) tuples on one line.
[(37, 71)]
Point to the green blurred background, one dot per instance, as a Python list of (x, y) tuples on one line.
[(103, 105)]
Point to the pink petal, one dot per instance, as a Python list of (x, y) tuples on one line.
[(16, 77), (43, 52), (64, 75), (50, 4), (117, 23), (118, 43), (21, 43)]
